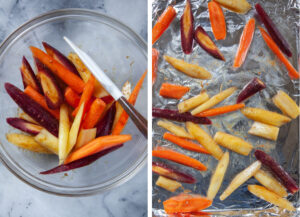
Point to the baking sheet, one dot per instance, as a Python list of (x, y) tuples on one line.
[(260, 62)]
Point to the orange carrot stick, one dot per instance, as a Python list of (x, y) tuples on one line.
[(220, 110), (186, 203), (132, 99), (217, 20), (273, 46), (185, 143), (245, 42), (72, 97), (173, 91), (163, 23), (37, 97), (155, 55), (178, 158), (99, 144), (86, 94), (96, 110), (62, 72)]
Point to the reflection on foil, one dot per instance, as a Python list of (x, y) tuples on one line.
[(260, 62)]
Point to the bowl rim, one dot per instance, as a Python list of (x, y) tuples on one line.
[(78, 191)]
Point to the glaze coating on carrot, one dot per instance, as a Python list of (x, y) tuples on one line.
[(245, 42), (186, 144), (178, 158), (273, 46), (217, 20), (173, 91), (62, 72), (37, 97), (163, 23), (132, 99), (220, 110)]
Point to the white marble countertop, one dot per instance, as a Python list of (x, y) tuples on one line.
[(20, 200)]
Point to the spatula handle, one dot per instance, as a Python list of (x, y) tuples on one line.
[(139, 121)]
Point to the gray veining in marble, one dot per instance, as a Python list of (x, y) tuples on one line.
[(20, 200)]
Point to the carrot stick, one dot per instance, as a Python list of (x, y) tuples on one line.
[(86, 94), (220, 110), (163, 23), (132, 99), (173, 91), (217, 20), (97, 145), (72, 97), (96, 110), (61, 71), (185, 143), (178, 158), (186, 203), (37, 97), (155, 55), (245, 42), (273, 46)]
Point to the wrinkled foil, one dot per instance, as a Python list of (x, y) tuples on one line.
[(261, 63)]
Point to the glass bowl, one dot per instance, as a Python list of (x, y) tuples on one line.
[(120, 52)]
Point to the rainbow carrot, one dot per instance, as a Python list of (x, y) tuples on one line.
[(220, 110), (178, 158), (245, 42), (186, 144), (276, 50), (163, 23), (217, 20)]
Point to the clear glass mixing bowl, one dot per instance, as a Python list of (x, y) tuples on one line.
[(120, 52)]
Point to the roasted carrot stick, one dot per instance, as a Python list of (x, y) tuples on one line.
[(178, 158), (163, 23), (155, 55), (186, 203), (97, 145), (86, 95), (173, 91), (245, 42), (217, 20), (62, 72), (220, 110), (185, 143), (96, 110), (132, 99), (36, 96), (276, 50), (72, 97)]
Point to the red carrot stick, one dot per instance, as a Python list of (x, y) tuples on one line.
[(178, 158)]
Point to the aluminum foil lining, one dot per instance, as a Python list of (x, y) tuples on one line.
[(261, 63)]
